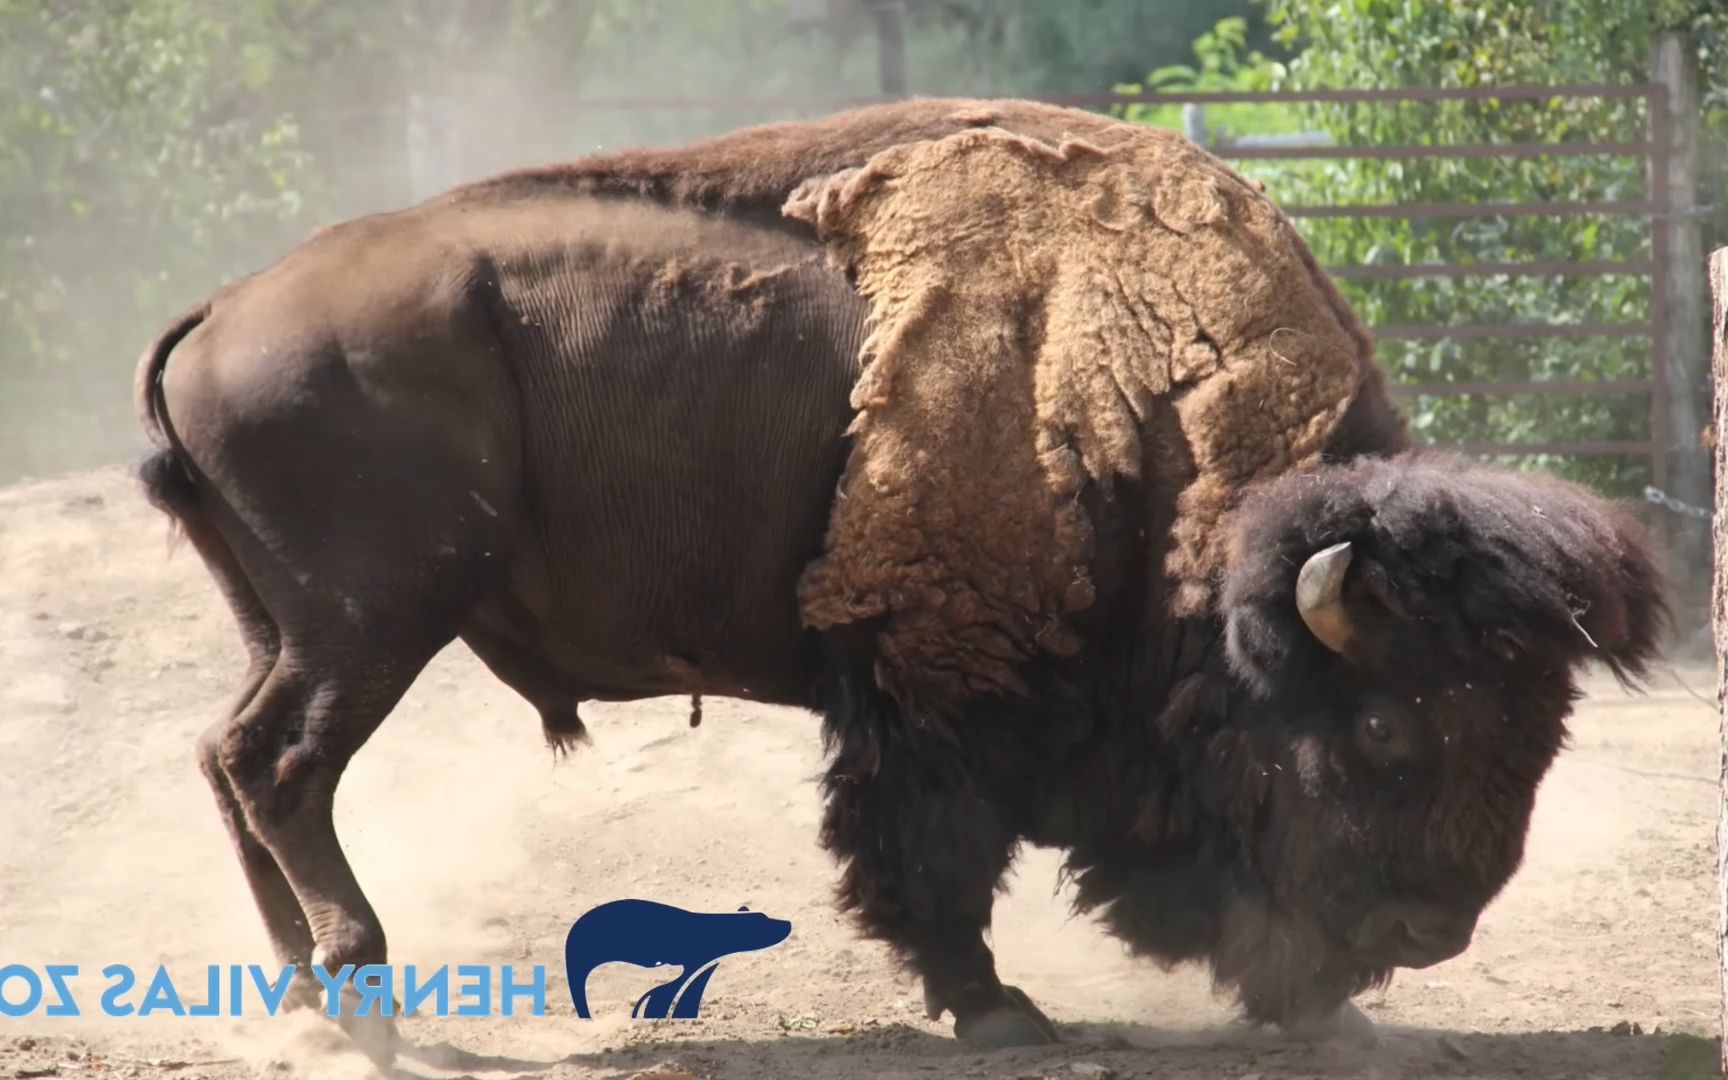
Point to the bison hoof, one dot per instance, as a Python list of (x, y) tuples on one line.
[(375, 1035), (1346, 1022), (1015, 1022), (303, 993)]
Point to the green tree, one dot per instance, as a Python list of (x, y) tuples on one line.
[(151, 149), (1221, 61), (1460, 43), (1035, 47), (133, 153)]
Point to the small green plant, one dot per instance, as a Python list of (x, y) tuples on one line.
[(1689, 1057), (1461, 43)]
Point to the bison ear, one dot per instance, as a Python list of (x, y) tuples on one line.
[(1551, 573)]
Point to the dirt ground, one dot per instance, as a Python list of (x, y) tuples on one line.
[(476, 848)]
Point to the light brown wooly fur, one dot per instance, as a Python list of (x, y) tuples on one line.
[(1029, 303)]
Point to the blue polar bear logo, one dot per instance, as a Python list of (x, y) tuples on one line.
[(651, 935)]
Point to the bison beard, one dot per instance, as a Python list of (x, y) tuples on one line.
[(1204, 779), (561, 404), (1094, 295)]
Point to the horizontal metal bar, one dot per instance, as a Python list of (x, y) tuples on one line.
[(1456, 150), (1512, 387), (1409, 93), (1156, 97), (1473, 210), (1485, 269), (1580, 449), (1487, 331)]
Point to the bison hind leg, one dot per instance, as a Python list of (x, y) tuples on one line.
[(171, 489)]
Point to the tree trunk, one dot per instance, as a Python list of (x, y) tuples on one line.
[(1719, 608)]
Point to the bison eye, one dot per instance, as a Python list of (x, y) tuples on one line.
[(1377, 729)]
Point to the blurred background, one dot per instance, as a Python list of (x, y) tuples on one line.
[(1522, 216)]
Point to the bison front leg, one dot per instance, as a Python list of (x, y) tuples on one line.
[(923, 849)]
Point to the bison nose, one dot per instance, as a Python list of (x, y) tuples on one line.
[(1414, 935)]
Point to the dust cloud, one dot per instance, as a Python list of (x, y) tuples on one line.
[(475, 847)]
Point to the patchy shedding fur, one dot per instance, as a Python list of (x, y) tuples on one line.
[(1030, 302)]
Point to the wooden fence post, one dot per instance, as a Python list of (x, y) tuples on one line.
[(891, 46), (1684, 313), (1719, 607)]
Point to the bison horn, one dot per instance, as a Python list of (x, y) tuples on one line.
[(1320, 596)]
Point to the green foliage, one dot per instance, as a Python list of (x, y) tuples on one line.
[(126, 170), (1689, 1057), (984, 47), (1222, 61), (1219, 64), (152, 149), (1460, 43)]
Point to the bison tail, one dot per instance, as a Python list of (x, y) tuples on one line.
[(167, 482), (168, 485)]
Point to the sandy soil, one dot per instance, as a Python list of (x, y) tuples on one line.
[(475, 848)]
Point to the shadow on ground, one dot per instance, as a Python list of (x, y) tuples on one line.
[(1121, 1051)]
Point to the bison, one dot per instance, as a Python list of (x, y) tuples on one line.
[(590, 419)]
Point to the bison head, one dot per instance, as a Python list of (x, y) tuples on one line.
[(1403, 637)]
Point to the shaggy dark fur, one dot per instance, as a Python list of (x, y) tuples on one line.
[(1215, 790), (609, 495)]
